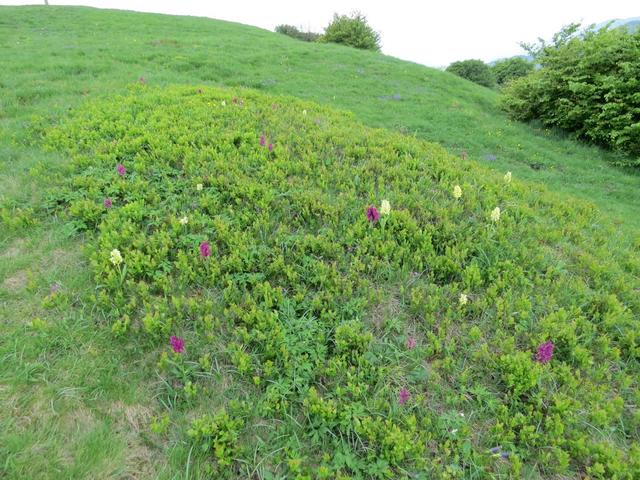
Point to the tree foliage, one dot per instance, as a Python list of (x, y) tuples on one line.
[(511, 68), (588, 84), (475, 70), (352, 30)]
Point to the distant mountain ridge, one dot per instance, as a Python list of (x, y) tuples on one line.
[(632, 23)]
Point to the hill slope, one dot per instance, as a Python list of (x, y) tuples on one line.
[(58, 55), (320, 338)]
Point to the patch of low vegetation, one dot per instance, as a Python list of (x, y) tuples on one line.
[(298, 34), (587, 85), (326, 300)]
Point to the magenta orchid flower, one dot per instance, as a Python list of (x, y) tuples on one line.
[(205, 249), (107, 203), (372, 214), (121, 170), (545, 352), (177, 344), (403, 396)]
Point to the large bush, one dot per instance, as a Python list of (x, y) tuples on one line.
[(352, 30), (511, 68), (325, 339), (475, 70), (588, 84), (296, 33)]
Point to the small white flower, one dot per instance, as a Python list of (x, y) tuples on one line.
[(495, 214), (115, 257), (457, 192), (454, 431), (507, 177), (199, 187), (385, 207), (304, 112), (464, 299), (184, 220), (223, 103)]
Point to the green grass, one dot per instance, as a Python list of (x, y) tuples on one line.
[(58, 56), (81, 402)]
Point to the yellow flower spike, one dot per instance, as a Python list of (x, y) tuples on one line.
[(385, 207), (115, 257)]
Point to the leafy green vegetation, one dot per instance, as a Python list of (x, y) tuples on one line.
[(53, 61), (511, 68), (237, 223), (416, 343), (296, 33), (474, 70), (588, 84), (352, 30)]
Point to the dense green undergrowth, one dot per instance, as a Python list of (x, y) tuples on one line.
[(53, 58), (321, 344)]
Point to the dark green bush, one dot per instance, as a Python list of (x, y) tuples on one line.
[(589, 85), (510, 69), (352, 30), (475, 70), (298, 34)]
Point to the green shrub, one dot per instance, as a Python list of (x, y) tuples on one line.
[(511, 68), (296, 311), (588, 85), (353, 31), (298, 34), (474, 70)]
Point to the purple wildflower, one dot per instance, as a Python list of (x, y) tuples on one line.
[(177, 344), (372, 214), (495, 450), (55, 287), (504, 455), (263, 140), (411, 343), (403, 396), (545, 352), (205, 249), (271, 147), (107, 203), (121, 170)]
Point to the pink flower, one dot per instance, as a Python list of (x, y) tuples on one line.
[(545, 352), (205, 249), (121, 170), (270, 147), (263, 140), (403, 396), (177, 344), (107, 203), (372, 214), (411, 343)]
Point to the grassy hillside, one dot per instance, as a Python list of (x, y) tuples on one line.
[(58, 56), (318, 342)]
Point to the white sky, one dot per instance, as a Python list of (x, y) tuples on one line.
[(431, 32)]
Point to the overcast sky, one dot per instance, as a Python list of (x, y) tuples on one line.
[(430, 32)]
